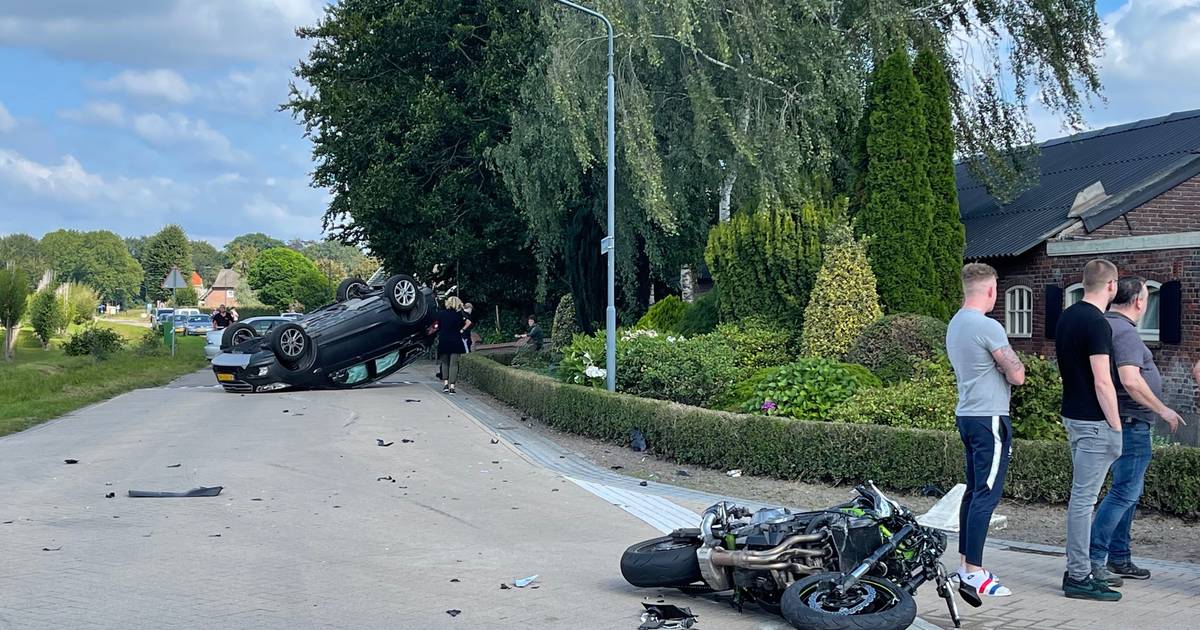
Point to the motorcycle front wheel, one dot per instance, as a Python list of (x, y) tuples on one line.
[(815, 603)]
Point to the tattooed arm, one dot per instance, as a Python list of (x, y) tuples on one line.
[(1010, 365)]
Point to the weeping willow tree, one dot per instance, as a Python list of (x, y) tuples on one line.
[(742, 104)]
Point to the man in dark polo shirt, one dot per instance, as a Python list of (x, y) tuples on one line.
[(1139, 399), (1083, 344)]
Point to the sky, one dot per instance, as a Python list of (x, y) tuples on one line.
[(127, 115)]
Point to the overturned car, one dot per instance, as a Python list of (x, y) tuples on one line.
[(368, 333)]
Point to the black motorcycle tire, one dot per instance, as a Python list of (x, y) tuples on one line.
[(797, 612), (664, 562)]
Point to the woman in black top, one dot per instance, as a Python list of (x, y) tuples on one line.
[(469, 316), (450, 341)]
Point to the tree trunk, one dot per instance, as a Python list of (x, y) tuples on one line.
[(10, 339), (687, 284)]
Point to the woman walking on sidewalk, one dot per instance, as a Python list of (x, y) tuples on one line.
[(450, 341)]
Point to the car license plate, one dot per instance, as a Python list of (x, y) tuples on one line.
[(225, 377)]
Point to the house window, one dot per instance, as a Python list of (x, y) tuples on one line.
[(229, 294), (1018, 311), (1073, 295), (1148, 327)]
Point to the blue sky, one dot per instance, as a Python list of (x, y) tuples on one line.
[(127, 115)]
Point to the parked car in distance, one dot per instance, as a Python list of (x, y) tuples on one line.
[(180, 323), (161, 315), (197, 325), (261, 325), (291, 316), (188, 311)]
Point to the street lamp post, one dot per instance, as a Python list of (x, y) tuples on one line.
[(607, 246)]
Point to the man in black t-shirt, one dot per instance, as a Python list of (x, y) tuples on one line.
[(222, 318), (1084, 347)]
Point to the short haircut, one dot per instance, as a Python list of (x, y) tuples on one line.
[(1098, 273), (975, 273), (454, 303), (468, 306), (533, 317), (1128, 290)]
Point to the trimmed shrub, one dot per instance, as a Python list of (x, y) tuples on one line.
[(697, 371), (95, 341), (755, 344), (46, 315), (1036, 405), (151, 344), (826, 452), (808, 389), (82, 302), (916, 404), (565, 324), (891, 346), (664, 315), (844, 301), (702, 316)]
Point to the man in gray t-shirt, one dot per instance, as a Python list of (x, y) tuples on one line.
[(985, 368), (1139, 400)]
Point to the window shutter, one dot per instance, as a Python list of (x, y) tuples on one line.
[(1170, 312), (1054, 307)]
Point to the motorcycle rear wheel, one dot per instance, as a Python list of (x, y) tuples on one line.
[(668, 561), (873, 604)]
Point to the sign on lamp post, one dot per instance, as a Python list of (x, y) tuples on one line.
[(173, 281)]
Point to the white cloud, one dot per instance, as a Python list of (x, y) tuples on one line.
[(68, 182), (178, 131), (102, 112), (163, 32), (161, 83), (7, 122)]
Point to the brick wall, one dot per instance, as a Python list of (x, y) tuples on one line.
[(1177, 210)]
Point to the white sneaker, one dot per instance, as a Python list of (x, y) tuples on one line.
[(983, 583)]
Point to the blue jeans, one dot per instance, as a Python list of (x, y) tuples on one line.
[(1111, 526)]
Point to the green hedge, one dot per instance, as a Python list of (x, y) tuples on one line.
[(898, 458)]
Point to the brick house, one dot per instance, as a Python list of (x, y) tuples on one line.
[(1130, 194), (222, 291)]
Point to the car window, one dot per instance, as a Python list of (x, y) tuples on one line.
[(197, 318), (386, 361), (352, 375)]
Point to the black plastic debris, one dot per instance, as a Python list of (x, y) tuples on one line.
[(666, 616), (637, 441), (214, 535), (380, 442), (407, 441), (643, 484), (411, 400), (617, 467), (285, 411), (70, 461), (51, 548), (110, 495), (387, 478), (256, 499), (683, 473), (495, 441), (454, 612), (194, 492), (455, 580), (505, 587), (932, 490), (174, 466)]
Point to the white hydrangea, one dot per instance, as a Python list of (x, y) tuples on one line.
[(593, 371)]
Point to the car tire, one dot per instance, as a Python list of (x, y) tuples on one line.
[(402, 293), (236, 334), (668, 561), (350, 288), (291, 345)]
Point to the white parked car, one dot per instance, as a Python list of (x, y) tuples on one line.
[(214, 340)]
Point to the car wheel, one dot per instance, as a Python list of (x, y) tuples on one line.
[(290, 343), (350, 288), (237, 334), (402, 292)]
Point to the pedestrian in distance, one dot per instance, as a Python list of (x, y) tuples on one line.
[(535, 337), (450, 342), (222, 318), (1084, 347), (1139, 401), (985, 368), (469, 316)]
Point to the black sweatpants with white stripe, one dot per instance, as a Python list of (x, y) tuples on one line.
[(987, 442)]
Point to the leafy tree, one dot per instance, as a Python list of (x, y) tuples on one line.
[(14, 291), (406, 99), (283, 277), (843, 301), (166, 249), (99, 259), (764, 262), (948, 238), (898, 208), (257, 240), (81, 302), (47, 316), (207, 261), (21, 251), (185, 297), (136, 246)]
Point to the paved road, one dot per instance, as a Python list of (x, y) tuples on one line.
[(304, 535)]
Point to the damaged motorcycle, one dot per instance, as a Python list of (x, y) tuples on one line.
[(855, 566)]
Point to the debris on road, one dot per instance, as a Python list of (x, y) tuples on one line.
[(523, 582), (666, 616), (411, 400), (505, 587), (110, 495), (683, 473), (736, 472), (380, 442), (214, 535), (617, 467), (932, 490), (51, 548), (407, 441), (387, 478), (643, 484), (194, 492), (174, 465), (455, 580), (454, 612), (71, 461), (637, 441), (495, 441)]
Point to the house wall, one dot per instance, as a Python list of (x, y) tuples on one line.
[(1177, 210), (218, 297)]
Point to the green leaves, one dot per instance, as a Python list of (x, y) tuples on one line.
[(283, 278), (168, 248), (808, 389), (47, 315), (843, 301)]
